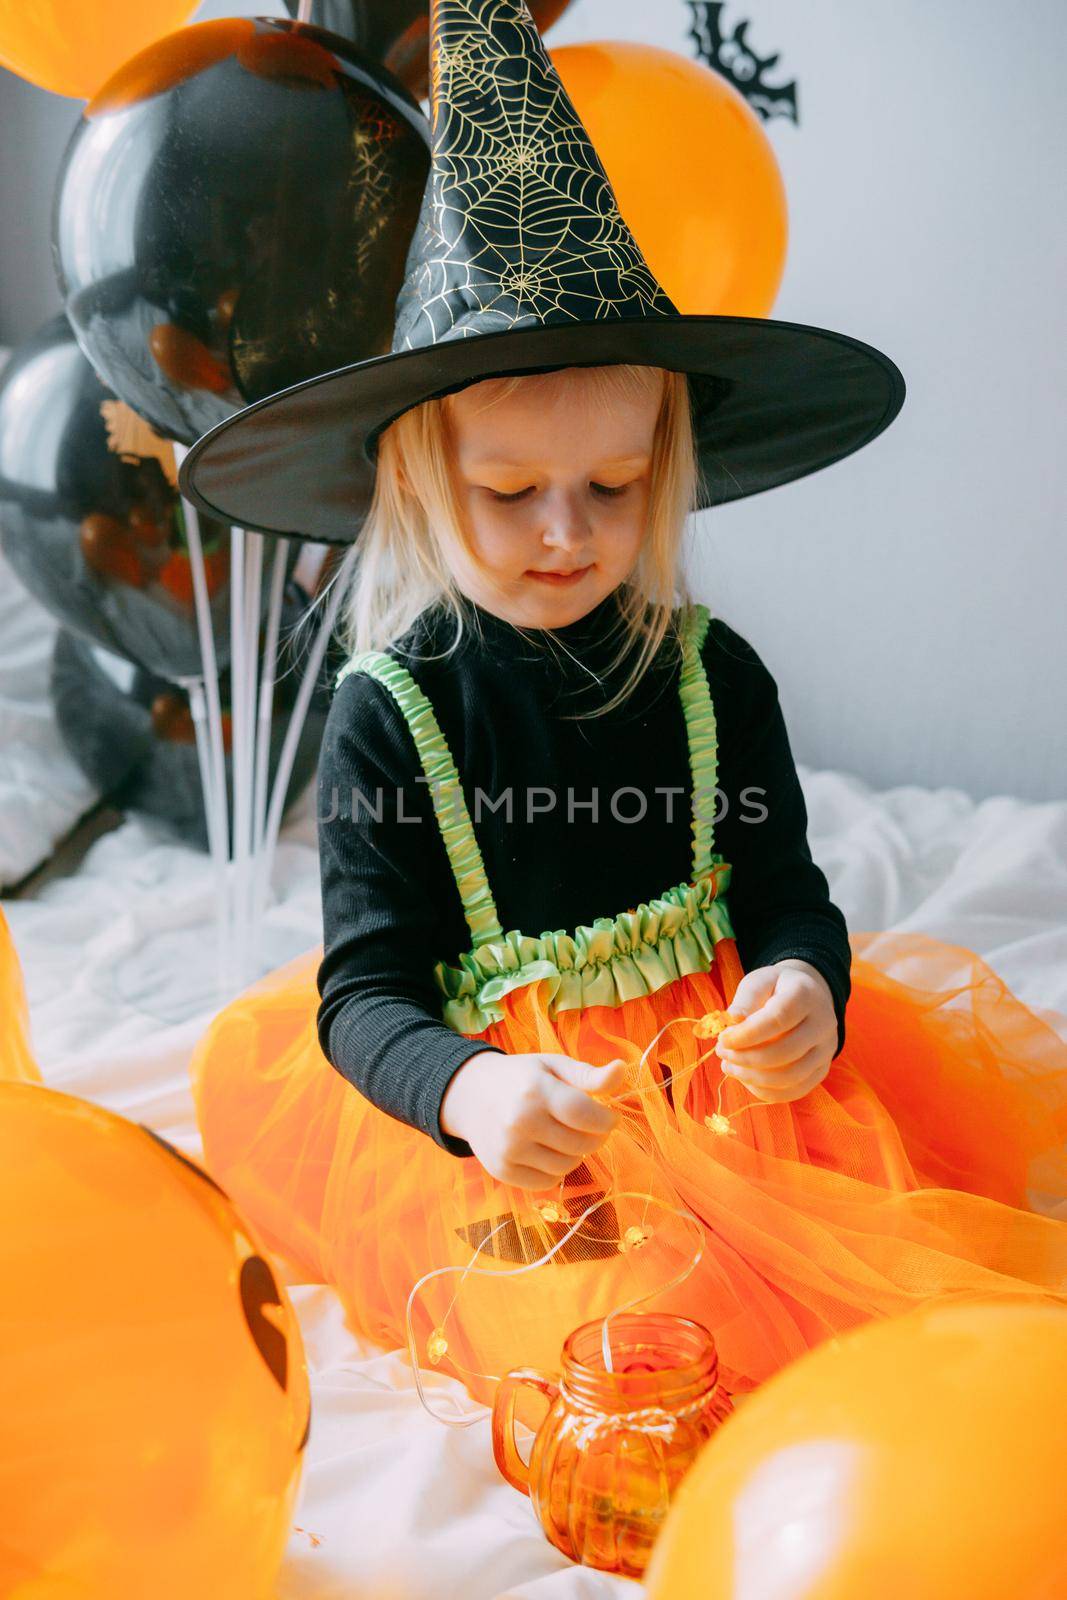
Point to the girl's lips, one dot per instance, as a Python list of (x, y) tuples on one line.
[(558, 578)]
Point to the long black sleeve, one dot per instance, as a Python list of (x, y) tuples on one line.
[(779, 898), (391, 909), (379, 1017)]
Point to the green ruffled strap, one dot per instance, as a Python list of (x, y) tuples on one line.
[(699, 711), (449, 804)]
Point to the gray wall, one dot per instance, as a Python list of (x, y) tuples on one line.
[(34, 129), (910, 599)]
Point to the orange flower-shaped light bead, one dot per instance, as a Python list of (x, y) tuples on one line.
[(713, 1023), (634, 1238), (719, 1124)]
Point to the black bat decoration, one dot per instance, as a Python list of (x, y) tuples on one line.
[(739, 63)]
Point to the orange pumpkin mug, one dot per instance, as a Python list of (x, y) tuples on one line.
[(615, 1444)]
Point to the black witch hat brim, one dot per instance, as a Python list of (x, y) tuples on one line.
[(771, 402)]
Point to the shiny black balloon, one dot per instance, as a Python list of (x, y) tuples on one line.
[(397, 32), (90, 516), (233, 214), (131, 733)]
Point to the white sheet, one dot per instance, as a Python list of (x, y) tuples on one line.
[(43, 791), (396, 1506)]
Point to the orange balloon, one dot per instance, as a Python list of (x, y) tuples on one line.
[(693, 171), (73, 46), (154, 1400), (174, 59), (16, 1057), (922, 1456)]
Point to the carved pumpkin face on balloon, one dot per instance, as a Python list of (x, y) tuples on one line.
[(154, 1401), (269, 1317)]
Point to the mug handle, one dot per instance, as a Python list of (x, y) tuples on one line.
[(505, 1451)]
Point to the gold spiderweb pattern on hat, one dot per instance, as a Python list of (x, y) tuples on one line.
[(519, 224)]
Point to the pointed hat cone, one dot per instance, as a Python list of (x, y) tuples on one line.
[(519, 227)]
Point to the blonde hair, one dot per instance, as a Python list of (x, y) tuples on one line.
[(397, 567)]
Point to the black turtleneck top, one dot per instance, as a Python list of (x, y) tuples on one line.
[(391, 907)]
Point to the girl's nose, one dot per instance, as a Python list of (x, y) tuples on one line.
[(566, 526), (567, 543)]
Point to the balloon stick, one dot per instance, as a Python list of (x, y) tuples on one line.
[(238, 707), (216, 799), (289, 746), (216, 818), (266, 695), (253, 606)]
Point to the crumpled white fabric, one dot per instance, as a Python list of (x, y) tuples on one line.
[(396, 1506), (43, 791)]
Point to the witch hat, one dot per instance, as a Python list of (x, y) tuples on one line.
[(521, 262)]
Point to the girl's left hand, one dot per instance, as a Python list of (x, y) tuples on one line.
[(783, 1047)]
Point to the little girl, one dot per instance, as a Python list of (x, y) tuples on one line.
[(562, 838), (580, 812)]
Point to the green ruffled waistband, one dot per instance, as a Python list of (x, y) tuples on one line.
[(613, 960)]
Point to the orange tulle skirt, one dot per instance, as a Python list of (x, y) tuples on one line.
[(931, 1160)]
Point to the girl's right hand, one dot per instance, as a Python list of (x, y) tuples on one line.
[(530, 1119)]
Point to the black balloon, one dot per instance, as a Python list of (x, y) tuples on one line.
[(132, 733), (90, 515), (233, 215), (397, 32)]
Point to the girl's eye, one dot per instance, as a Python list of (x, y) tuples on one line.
[(601, 488)]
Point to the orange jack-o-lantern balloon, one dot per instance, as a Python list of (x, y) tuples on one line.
[(924, 1456), (153, 1394), (693, 172), (16, 1058)]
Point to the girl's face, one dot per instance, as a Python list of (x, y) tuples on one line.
[(550, 481)]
